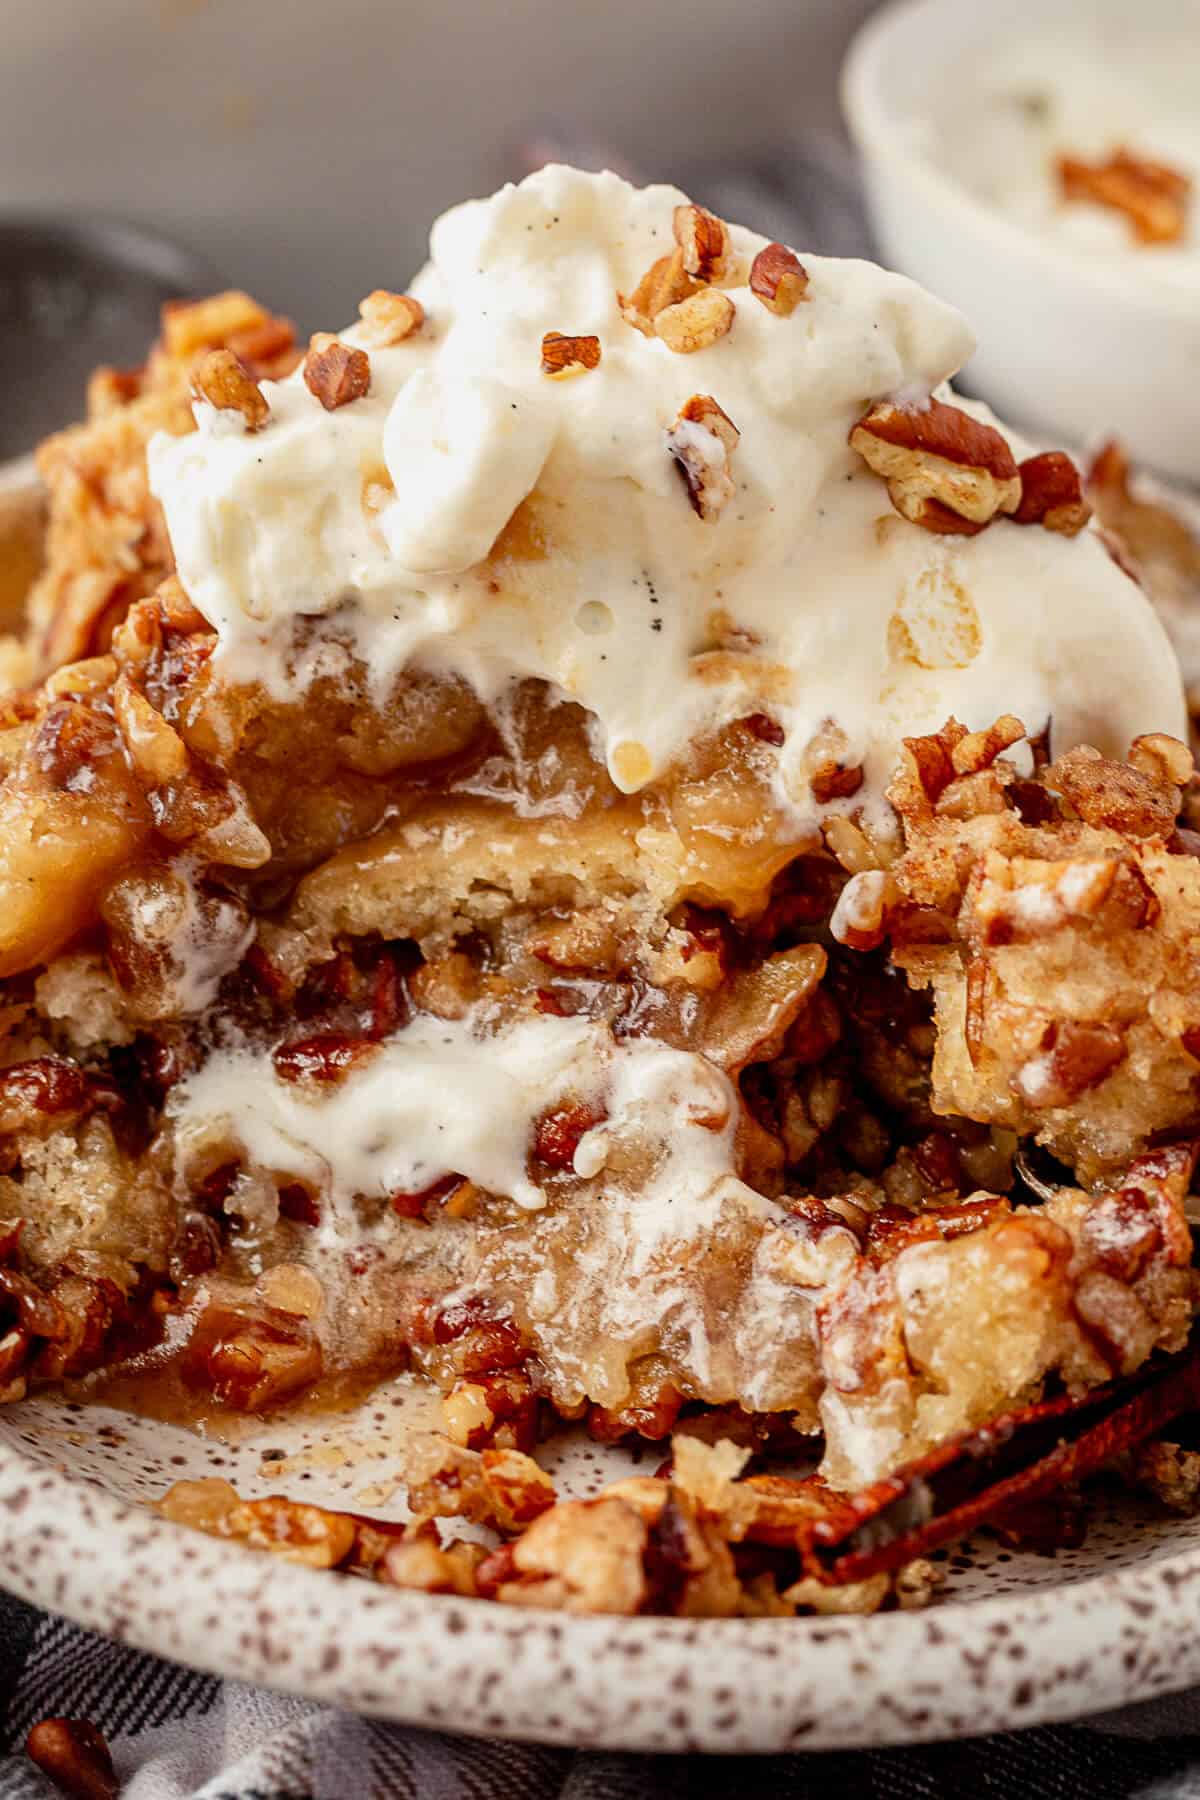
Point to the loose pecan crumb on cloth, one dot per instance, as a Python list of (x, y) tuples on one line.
[(73, 1754)]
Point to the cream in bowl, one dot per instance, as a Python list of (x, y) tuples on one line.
[(1039, 168)]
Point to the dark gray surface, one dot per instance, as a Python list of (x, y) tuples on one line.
[(74, 294)]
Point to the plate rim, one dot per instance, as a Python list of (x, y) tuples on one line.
[(1047, 1654)]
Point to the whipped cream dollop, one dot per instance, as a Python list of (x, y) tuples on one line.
[(474, 516)]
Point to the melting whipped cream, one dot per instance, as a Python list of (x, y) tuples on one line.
[(621, 1267), (450, 1097), (471, 515)]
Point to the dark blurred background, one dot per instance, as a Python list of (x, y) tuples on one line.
[(302, 148)]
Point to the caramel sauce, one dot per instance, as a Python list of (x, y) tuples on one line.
[(157, 1390)]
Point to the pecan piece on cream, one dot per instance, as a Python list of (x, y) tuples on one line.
[(704, 241), (944, 469), (1152, 195), (665, 283), (221, 379), (696, 323), (334, 372), (563, 356), (702, 441), (779, 279), (1052, 494), (389, 318)]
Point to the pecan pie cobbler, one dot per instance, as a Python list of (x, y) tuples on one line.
[(602, 837)]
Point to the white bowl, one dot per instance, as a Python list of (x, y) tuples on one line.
[(1071, 345)]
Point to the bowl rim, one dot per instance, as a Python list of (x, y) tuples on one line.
[(878, 131), (114, 1566)]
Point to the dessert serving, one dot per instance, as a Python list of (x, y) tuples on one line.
[(601, 836)]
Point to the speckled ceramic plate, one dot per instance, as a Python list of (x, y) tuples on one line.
[(1013, 1640)]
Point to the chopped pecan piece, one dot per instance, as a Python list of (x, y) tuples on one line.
[(696, 323), (665, 283), (155, 748), (45, 1094), (1024, 899), (87, 1308), (563, 357), (1075, 1055), (222, 380), (582, 1556), (72, 1753), (335, 373), (1052, 494), (293, 1530), (251, 1360), (420, 1561), (189, 326), (268, 350), (520, 1490), (1167, 761), (978, 750), (704, 242), (389, 318), (557, 1133), (496, 1411), (702, 441), (944, 469), (1152, 195), (779, 279), (653, 1417), (419, 1203), (1135, 801), (327, 1057), (502, 1487), (835, 781), (860, 917)]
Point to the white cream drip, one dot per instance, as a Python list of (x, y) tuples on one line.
[(453, 1097)]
